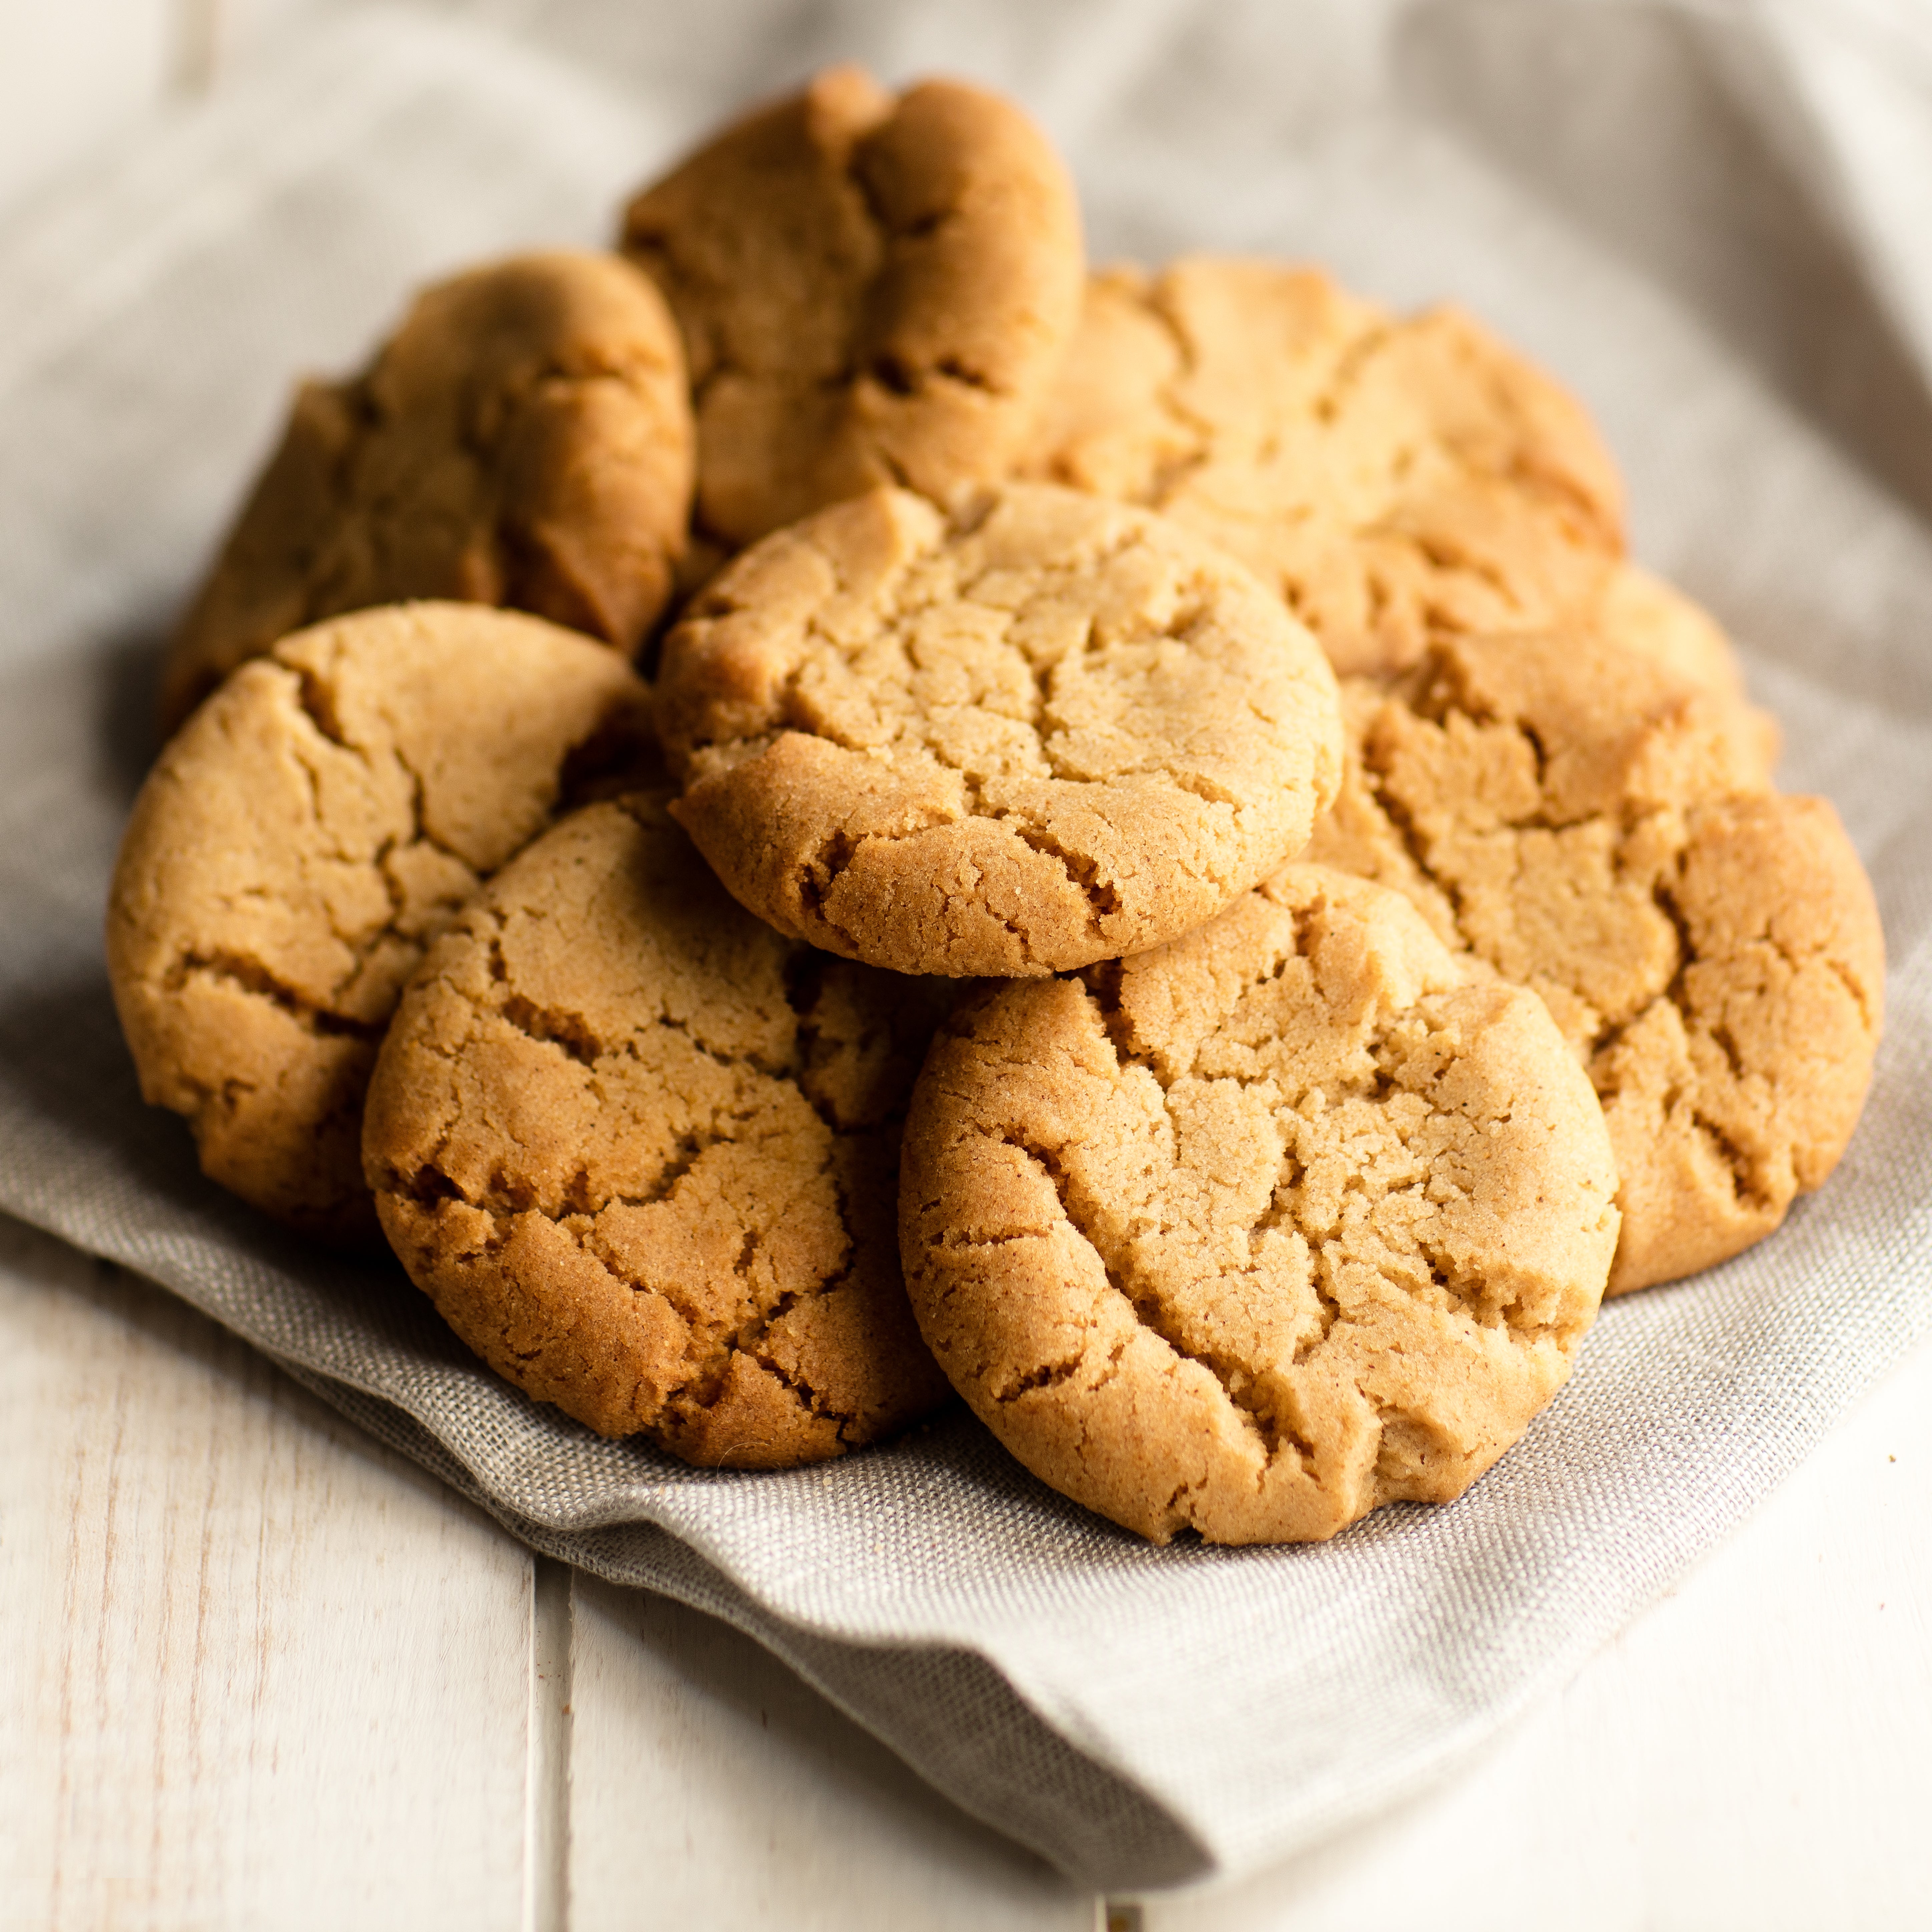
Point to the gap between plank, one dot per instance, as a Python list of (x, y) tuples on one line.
[(546, 1778)]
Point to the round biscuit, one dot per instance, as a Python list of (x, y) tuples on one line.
[(524, 439), (873, 289), (641, 1152), (1048, 730), (1394, 479), (1254, 1233)]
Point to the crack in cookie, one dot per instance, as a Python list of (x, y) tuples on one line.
[(249, 975)]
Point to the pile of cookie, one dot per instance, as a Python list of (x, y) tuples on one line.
[(1168, 874)]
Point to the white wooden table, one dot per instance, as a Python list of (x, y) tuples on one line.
[(263, 1673), (260, 1673)]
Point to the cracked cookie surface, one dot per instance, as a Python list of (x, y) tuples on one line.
[(300, 841), (641, 1150), (872, 290), (524, 439), (1592, 826), (1394, 479), (1254, 1233), (1050, 730)]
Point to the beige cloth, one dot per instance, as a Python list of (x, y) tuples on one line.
[(1710, 221)]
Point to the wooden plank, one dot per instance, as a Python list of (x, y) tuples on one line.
[(265, 1673), (1752, 1753), (709, 1785)]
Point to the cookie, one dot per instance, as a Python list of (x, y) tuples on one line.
[(872, 290), (1048, 730), (1592, 826), (1393, 480), (1254, 1233), (641, 1153), (300, 842), (1636, 611), (524, 438)]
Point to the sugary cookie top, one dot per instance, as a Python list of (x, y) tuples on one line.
[(524, 438), (872, 290), (1049, 730), (641, 1150), (1254, 1232), (305, 837), (1593, 827), (1393, 480)]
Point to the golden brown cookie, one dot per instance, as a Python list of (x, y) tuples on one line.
[(1594, 827), (524, 438), (1049, 730), (1256, 1232), (872, 290), (1394, 480), (641, 1153), (1639, 611), (300, 842)]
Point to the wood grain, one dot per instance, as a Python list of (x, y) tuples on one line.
[(273, 1675), (710, 1785)]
